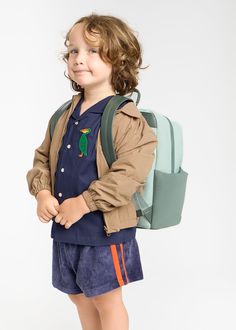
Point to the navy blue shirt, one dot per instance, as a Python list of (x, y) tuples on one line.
[(76, 169)]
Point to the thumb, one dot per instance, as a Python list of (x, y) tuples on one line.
[(56, 207)]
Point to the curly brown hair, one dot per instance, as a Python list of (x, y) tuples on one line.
[(118, 45)]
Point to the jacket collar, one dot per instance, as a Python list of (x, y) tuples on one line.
[(129, 108)]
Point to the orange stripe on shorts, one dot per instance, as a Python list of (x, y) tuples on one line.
[(123, 261), (116, 264)]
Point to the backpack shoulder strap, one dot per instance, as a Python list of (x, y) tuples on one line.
[(109, 151), (106, 124), (106, 127), (57, 114)]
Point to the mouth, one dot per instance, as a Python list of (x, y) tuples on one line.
[(81, 71)]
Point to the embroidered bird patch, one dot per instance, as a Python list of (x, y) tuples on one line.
[(83, 142)]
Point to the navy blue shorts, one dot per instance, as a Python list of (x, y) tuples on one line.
[(94, 270)]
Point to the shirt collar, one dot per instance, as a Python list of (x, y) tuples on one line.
[(129, 108), (96, 108)]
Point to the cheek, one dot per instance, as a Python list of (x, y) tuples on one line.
[(100, 66), (107, 68), (69, 64), (69, 68)]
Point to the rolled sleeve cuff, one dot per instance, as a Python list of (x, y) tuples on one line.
[(40, 187), (89, 200)]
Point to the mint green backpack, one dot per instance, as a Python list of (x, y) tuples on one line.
[(161, 203)]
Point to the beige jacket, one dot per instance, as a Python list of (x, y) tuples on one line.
[(134, 143)]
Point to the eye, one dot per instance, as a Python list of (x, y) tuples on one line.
[(94, 50), (71, 51)]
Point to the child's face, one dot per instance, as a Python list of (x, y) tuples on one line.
[(82, 56)]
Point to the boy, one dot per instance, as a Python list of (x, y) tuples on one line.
[(75, 187)]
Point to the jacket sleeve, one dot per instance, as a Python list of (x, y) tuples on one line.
[(38, 177), (135, 155)]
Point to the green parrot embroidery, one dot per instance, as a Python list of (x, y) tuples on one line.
[(83, 142)]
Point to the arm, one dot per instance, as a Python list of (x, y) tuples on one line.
[(38, 177), (135, 155)]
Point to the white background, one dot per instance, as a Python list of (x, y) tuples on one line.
[(189, 269)]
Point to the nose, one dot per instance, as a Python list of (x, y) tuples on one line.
[(79, 58)]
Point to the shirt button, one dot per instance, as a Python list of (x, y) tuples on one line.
[(68, 146), (60, 194), (62, 169), (76, 122)]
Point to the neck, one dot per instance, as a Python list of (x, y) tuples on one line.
[(91, 96)]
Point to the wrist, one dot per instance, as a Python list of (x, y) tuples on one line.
[(43, 192), (84, 204)]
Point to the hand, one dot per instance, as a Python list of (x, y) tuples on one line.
[(47, 205), (71, 211)]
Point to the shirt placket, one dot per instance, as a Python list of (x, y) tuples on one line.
[(67, 145)]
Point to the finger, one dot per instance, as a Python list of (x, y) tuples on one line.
[(42, 220), (63, 221), (58, 218), (68, 225), (52, 211), (46, 215), (57, 207)]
